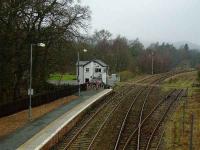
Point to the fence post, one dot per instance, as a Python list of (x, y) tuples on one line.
[(184, 107), (191, 132), (183, 118), (175, 136)]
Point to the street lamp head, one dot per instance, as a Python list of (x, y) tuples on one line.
[(85, 50), (41, 45)]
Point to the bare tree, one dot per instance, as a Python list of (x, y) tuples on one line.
[(23, 22)]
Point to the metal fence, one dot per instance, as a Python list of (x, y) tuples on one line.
[(39, 99)]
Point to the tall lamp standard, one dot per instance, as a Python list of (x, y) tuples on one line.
[(78, 73), (30, 90)]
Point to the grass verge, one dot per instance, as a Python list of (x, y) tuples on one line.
[(177, 129), (62, 77)]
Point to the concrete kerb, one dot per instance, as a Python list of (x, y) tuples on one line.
[(55, 131)]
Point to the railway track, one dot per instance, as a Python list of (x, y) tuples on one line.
[(154, 141), (91, 131), (114, 121), (151, 123), (120, 122), (109, 103), (111, 127), (151, 142), (117, 121), (127, 123)]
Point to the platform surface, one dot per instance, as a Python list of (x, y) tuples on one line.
[(21, 135), (42, 137)]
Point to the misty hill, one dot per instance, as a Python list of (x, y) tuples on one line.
[(176, 44), (190, 44)]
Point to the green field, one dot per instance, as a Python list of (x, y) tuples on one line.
[(62, 77)]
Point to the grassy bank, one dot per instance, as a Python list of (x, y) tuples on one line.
[(177, 128), (62, 77), (180, 81)]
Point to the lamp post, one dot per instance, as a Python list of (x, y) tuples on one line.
[(30, 90), (78, 72)]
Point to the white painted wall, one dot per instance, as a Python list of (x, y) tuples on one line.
[(88, 75), (101, 74), (83, 74)]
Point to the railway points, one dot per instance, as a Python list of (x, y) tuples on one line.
[(125, 124), (129, 117)]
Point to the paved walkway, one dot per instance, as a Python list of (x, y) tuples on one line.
[(18, 138)]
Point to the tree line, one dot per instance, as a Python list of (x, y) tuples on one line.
[(24, 22), (61, 25), (122, 54)]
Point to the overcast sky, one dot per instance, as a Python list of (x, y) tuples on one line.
[(149, 20)]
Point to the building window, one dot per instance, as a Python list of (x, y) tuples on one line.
[(97, 69), (104, 70), (87, 69)]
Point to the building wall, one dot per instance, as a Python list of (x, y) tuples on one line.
[(81, 74), (88, 75), (91, 73), (104, 78), (101, 74)]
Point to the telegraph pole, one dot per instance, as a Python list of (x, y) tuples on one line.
[(152, 62)]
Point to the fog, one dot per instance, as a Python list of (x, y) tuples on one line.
[(148, 20)]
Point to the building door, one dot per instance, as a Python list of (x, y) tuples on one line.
[(86, 80)]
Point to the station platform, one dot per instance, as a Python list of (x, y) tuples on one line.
[(38, 133)]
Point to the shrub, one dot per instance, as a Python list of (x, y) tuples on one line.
[(126, 75), (198, 76)]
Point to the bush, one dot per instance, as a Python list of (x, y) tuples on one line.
[(126, 75), (198, 76)]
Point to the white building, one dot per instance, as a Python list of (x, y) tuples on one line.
[(91, 70)]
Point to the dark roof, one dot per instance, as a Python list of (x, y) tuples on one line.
[(83, 63), (100, 62)]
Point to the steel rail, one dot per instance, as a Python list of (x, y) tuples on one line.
[(153, 110), (91, 118), (141, 115), (159, 142), (123, 124), (142, 111), (163, 117), (125, 119), (161, 76), (101, 127)]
